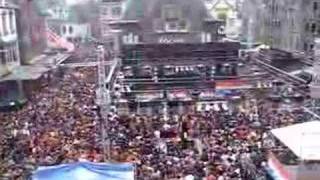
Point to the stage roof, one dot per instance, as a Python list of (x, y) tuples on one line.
[(302, 139)]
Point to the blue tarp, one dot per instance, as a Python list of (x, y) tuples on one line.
[(86, 171)]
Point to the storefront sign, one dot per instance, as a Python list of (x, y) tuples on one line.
[(170, 40)]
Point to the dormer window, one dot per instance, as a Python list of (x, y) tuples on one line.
[(183, 24), (116, 11), (170, 12), (176, 26), (130, 38), (171, 26)]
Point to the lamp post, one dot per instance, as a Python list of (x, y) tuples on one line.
[(103, 100)]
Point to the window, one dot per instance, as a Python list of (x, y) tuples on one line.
[(203, 37), (14, 55), (208, 37), (105, 11), (221, 30), (136, 39), (183, 25), (4, 23), (70, 29), (2, 55), (9, 57), (315, 6), (130, 38), (172, 26), (305, 46), (311, 47), (64, 29), (176, 26), (116, 11), (307, 27), (171, 12), (11, 21), (125, 39), (313, 27)]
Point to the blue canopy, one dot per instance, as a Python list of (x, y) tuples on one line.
[(86, 171)]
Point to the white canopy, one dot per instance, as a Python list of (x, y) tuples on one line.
[(302, 139)]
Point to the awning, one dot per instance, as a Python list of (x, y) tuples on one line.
[(232, 84), (179, 94), (25, 73), (207, 94), (86, 171), (147, 97), (212, 106), (302, 139)]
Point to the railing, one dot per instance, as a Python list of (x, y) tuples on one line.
[(278, 71)]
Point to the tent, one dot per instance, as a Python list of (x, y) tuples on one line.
[(302, 139), (86, 171)]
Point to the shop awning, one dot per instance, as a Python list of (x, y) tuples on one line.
[(147, 97), (25, 73), (232, 84), (179, 95)]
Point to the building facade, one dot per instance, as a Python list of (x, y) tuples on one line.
[(156, 21), (9, 51), (31, 23), (70, 22), (310, 24), (75, 32), (167, 48), (290, 25), (9, 44), (227, 11)]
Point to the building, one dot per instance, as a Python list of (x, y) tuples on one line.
[(9, 51), (75, 32), (9, 44), (310, 24), (31, 23), (252, 14), (69, 22), (229, 12), (167, 48), (290, 25)]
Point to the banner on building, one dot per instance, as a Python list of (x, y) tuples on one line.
[(56, 41)]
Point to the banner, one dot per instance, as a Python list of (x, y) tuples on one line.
[(54, 40), (86, 171), (276, 169)]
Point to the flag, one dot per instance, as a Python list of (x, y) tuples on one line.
[(276, 169)]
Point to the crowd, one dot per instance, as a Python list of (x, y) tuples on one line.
[(60, 124)]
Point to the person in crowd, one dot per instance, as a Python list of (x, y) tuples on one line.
[(61, 124)]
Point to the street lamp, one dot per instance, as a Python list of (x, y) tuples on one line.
[(103, 100)]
